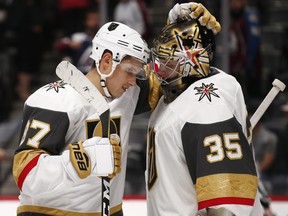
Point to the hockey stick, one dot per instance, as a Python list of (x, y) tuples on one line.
[(277, 86), (75, 78)]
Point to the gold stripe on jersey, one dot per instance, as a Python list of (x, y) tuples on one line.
[(226, 185), (52, 211), (21, 160)]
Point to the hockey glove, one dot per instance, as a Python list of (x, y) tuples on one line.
[(117, 152), (186, 11), (95, 156)]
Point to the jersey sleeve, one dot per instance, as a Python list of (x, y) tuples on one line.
[(221, 165), (150, 93), (42, 134), (43, 129), (38, 164)]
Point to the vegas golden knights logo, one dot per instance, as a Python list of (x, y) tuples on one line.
[(152, 171), (94, 127)]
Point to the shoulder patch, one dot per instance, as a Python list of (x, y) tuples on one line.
[(56, 85), (207, 90)]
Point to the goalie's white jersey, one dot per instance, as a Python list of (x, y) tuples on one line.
[(198, 154), (54, 116)]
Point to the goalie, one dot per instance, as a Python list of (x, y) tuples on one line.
[(199, 154)]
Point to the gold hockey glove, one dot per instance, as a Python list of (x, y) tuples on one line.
[(117, 152), (186, 11), (96, 156)]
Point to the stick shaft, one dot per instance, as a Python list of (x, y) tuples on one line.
[(277, 86), (71, 75), (264, 106)]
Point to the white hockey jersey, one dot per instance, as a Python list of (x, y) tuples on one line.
[(198, 153), (54, 116)]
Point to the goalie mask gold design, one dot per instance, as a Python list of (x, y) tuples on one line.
[(182, 54)]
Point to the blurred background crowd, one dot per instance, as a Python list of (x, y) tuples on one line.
[(35, 35)]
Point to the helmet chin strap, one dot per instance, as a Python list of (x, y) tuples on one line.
[(104, 86), (103, 79)]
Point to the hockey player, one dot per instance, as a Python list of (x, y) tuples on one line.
[(55, 166), (199, 156)]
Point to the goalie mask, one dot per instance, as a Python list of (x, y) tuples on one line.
[(121, 41), (182, 54)]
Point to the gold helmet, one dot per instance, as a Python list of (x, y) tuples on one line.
[(181, 54)]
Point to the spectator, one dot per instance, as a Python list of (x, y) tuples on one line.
[(71, 13), (6, 96), (245, 55), (25, 24), (149, 29), (3, 154), (3, 19), (281, 162), (78, 46), (265, 143), (3, 157), (9, 133), (129, 13), (9, 130)]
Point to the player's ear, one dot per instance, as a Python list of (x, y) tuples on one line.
[(106, 63)]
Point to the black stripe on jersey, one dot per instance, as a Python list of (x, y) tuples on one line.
[(52, 142), (196, 153)]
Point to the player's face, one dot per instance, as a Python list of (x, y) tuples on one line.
[(166, 69), (124, 76)]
